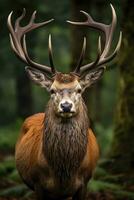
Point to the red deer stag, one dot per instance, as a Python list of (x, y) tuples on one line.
[(57, 152)]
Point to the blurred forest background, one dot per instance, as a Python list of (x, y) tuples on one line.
[(110, 102)]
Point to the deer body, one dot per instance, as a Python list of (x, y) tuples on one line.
[(36, 169), (57, 152), (56, 156)]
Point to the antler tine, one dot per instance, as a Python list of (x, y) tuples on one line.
[(92, 65), (108, 31), (17, 23), (77, 70), (30, 26), (90, 22), (51, 55), (14, 43), (32, 63), (16, 35), (109, 58), (22, 57)]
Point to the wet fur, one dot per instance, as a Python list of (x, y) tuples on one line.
[(56, 158), (63, 140)]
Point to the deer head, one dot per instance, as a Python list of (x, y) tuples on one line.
[(65, 89)]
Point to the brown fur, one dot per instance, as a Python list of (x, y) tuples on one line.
[(63, 140), (62, 81), (65, 78), (60, 86), (52, 159)]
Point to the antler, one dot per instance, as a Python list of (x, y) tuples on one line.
[(18, 33), (103, 56)]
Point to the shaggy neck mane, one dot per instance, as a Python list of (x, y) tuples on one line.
[(65, 141)]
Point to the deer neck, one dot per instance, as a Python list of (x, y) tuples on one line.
[(65, 141)]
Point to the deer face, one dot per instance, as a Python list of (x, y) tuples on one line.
[(65, 91), (66, 95)]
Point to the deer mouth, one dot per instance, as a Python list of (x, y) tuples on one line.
[(67, 114)]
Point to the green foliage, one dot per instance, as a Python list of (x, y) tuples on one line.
[(116, 190), (104, 137), (14, 176), (102, 186), (15, 191), (7, 166), (8, 136)]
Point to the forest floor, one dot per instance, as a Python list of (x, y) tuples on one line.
[(12, 188), (91, 196)]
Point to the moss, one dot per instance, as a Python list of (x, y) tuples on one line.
[(96, 186), (2, 170), (14, 176), (99, 172), (7, 166), (8, 136), (9, 163), (116, 190), (15, 191)]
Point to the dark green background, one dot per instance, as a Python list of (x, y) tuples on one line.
[(110, 102)]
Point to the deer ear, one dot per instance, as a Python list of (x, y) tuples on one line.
[(92, 77), (39, 78)]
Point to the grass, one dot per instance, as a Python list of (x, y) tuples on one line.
[(115, 189)]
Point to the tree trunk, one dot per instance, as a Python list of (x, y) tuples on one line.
[(99, 7), (121, 156), (23, 93)]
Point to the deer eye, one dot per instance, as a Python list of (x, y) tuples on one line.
[(79, 90), (52, 91)]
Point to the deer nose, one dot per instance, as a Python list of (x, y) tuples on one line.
[(66, 107)]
